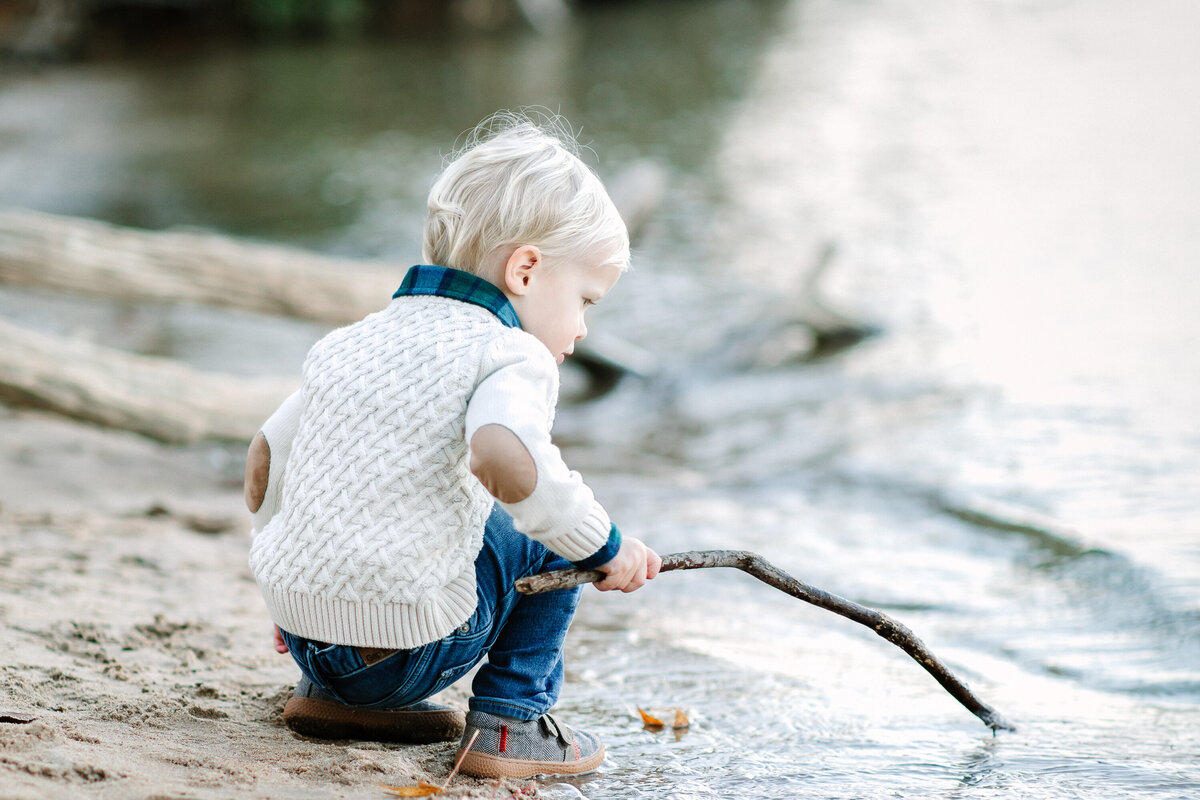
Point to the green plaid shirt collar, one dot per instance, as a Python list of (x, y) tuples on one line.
[(458, 285)]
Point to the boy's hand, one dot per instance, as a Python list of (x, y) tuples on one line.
[(280, 647), (630, 568)]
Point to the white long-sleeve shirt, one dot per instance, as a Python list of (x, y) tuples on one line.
[(372, 520)]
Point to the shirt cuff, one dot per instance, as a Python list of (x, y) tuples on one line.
[(605, 554)]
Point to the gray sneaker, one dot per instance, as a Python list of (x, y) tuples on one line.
[(311, 712), (516, 748)]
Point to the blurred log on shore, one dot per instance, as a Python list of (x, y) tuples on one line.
[(156, 397), (799, 326), (96, 259)]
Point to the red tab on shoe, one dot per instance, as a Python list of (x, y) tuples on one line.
[(503, 738)]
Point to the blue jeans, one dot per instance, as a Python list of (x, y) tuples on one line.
[(521, 635)]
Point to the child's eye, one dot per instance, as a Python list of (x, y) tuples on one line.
[(587, 302)]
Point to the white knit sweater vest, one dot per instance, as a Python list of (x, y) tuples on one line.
[(380, 518)]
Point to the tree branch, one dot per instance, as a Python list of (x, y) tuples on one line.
[(768, 573)]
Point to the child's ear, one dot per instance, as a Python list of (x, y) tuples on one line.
[(520, 269)]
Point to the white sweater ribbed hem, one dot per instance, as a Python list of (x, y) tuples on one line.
[(371, 624), (578, 542)]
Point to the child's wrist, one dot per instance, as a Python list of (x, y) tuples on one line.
[(605, 554)]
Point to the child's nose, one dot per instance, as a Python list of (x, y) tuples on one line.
[(582, 330)]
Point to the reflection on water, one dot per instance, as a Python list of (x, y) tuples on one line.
[(335, 146), (1013, 468)]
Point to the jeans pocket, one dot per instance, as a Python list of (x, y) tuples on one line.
[(375, 685), (404, 679), (319, 661), (449, 674), (336, 661), (461, 650), (438, 664)]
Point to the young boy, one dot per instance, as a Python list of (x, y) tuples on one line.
[(399, 494)]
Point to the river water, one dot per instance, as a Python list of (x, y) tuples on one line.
[(1011, 467)]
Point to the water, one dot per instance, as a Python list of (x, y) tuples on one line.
[(1012, 468)]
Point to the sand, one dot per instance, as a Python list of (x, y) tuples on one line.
[(137, 651)]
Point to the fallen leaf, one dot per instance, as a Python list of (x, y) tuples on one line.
[(649, 721), (422, 789), (652, 722)]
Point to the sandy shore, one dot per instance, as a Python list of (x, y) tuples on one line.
[(138, 659)]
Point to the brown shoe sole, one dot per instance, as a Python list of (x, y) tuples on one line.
[(482, 765), (324, 719)]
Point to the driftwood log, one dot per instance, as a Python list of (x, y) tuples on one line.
[(156, 397), (760, 568), (96, 259)]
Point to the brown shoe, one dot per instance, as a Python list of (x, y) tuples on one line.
[(311, 712)]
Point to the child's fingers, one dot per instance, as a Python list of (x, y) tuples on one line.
[(639, 569), (280, 645), (616, 580), (635, 583), (653, 564), (631, 568)]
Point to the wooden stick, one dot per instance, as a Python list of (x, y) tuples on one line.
[(768, 573), (461, 757)]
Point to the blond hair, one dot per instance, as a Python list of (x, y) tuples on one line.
[(518, 180)]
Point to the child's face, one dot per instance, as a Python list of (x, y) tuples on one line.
[(554, 300)]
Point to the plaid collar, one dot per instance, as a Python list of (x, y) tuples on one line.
[(445, 282)]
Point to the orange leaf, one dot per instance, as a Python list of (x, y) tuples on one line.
[(649, 721), (681, 720), (422, 789)]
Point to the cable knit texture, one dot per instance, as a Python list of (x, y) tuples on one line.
[(379, 520)]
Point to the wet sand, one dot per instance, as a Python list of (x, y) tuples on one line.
[(138, 658)]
